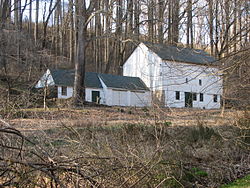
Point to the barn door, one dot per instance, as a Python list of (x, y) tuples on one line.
[(96, 96), (119, 98), (188, 100)]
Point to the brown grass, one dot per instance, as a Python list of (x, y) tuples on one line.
[(40, 119)]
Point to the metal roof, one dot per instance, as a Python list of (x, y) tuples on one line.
[(179, 54), (66, 78), (123, 82)]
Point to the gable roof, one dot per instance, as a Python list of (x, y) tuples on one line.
[(66, 78), (123, 82), (179, 54)]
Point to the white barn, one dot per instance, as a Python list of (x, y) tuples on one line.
[(178, 77), (111, 90)]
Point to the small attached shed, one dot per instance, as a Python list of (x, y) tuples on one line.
[(111, 90), (125, 91)]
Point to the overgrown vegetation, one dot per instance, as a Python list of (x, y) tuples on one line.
[(240, 183), (125, 154)]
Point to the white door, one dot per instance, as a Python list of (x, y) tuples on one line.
[(119, 98)]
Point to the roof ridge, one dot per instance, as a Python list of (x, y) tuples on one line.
[(180, 54)]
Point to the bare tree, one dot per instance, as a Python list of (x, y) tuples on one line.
[(83, 15), (36, 22)]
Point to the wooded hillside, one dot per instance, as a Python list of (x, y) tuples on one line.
[(39, 34)]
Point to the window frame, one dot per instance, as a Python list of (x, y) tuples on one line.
[(215, 98), (194, 96), (200, 82), (177, 95), (201, 97), (64, 90)]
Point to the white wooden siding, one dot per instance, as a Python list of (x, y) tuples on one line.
[(69, 93), (109, 96), (46, 80), (120, 98), (170, 77), (140, 99), (88, 94), (112, 97)]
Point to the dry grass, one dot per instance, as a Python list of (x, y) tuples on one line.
[(129, 147), (32, 119)]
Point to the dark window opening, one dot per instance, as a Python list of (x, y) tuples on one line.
[(194, 96), (201, 97), (188, 99), (177, 95), (64, 90), (215, 98), (96, 96), (200, 82), (186, 80)]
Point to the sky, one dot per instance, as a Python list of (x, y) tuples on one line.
[(43, 9)]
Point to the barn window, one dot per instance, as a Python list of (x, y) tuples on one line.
[(201, 97), (177, 95), (200, 82), (64, 90), (215, 98), (194, 96), (186, 80)]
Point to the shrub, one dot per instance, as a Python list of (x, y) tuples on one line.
[(201, 133)]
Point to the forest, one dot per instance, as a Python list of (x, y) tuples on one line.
[(102, 34), (65, 144)]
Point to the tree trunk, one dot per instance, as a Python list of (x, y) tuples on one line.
[(227, 31), (71, 33), (137, 20), (16, 13), (235, 26), (211, 25), (30, 17), (79, 83), (4, 13), (175, 22), (189, 24), (170, 22), (36, 22), (160, 21), (151, 21)]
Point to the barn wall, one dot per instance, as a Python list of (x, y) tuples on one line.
[(128, 98), (174, 79), (207, 103), (69, 93), (141, 64), (140, 99), (88, 94), (175, 75), (145, 64), (168, 76), (45, 80)]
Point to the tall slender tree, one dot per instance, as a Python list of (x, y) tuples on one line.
[(83, 14)]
